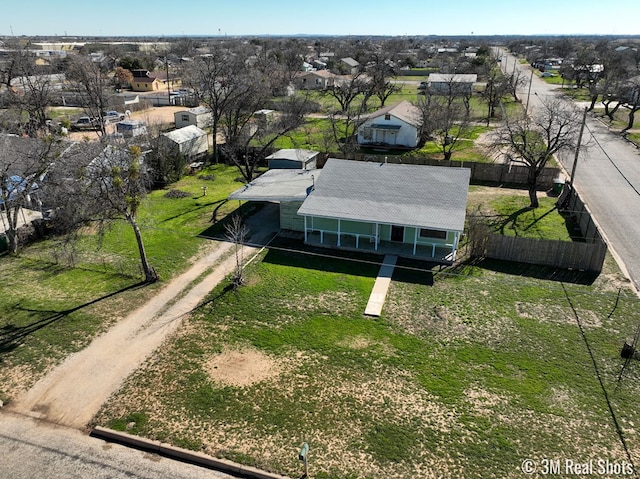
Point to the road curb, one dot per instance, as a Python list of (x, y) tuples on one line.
[(180, 454)]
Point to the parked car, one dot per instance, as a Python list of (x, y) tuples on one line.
[(84, 123), (112, 116), (422, 86)]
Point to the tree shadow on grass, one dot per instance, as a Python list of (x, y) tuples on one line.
[(513, 268), (198, 206), (12, 336)]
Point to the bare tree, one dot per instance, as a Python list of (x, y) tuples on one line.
[(27, 92), (94, 85), (110, 187), (250, 140), (237, 232), (215, 80), (533, 140), (445, 119), (23, 164), (630, 99), (498, 85), (380, 71), (348, 88)]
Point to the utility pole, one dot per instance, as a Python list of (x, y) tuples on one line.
[(526, 108), (575, 158)]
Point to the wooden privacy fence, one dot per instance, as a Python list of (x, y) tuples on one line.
[(587, 256), (559, 254), (497, 173)]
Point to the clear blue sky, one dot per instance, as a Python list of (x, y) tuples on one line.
[(332, 17)]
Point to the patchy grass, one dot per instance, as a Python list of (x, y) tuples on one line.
[(467, 373)]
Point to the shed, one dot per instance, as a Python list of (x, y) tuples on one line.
[(292, 158), (199, 116), (190, 141), (131, 128)]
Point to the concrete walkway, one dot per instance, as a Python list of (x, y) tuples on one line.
[(379, 292)]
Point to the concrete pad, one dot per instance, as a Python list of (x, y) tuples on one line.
[(381, 286)]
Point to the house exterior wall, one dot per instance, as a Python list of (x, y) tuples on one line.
[(405, 135), (289, 219), (411, 235), (140, 85), (282, 163)]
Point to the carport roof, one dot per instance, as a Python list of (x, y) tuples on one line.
[(278, 185)]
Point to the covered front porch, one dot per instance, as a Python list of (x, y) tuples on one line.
[(403, 241)]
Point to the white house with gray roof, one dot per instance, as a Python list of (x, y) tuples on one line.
[(408, 210), (396, 125)]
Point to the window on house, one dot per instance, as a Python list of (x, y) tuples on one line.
[(367, 133), (185, 117), (427, 233), (387, 116)]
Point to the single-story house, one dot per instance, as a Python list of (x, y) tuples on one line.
[(452, 83), (144, 80), (190, 141), (287, 187), (315, 80), (199, 116), (290, 158), (408, 210), (396, 125)]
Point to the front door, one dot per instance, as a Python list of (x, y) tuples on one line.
[(397, 233)]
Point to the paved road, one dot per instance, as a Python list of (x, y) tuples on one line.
[(33, 449), (607, 176)]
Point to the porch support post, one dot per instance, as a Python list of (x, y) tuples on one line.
[(415, 241), (338, 231), (305, 229), (377, 238), (456, 238)]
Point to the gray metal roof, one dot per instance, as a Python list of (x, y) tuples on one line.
[(411, 195), (293, 154), (184, 134), (278, 185)]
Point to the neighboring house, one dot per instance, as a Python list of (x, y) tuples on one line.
[(408, 210), (452, 83), (287, 187), (190, 141), (315, 80), (396, 125), (131, 128), (199, 116), (293, 159), (144, 80), (352, 65)]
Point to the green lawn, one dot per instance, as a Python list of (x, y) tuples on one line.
[(509, 214), (57, 296), (467, 373)]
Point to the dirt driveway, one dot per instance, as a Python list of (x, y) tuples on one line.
[(72, 394), (160, 115)]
